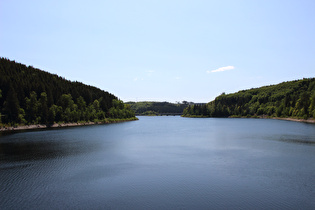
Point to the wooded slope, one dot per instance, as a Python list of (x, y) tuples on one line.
[(30, 96), (287, 99), (157, 108)]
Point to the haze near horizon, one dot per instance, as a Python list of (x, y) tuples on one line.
[(163, 50)]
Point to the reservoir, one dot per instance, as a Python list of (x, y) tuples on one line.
[(166, 162)]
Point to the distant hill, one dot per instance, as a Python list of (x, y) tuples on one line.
[(287, 99), (158, 108), (29, 96)]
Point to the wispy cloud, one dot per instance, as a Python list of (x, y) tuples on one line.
[(145, 75), (137, 79), (149, 72), (225, 68)]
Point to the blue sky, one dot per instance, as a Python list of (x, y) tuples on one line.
[(163, 50)]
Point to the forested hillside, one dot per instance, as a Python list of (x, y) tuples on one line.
[(30, 96), (287, 99), (157, 108)]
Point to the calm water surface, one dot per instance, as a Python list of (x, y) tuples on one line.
[(161, 163)]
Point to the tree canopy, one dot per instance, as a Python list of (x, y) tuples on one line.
[(30, 96), (157, 108), (287, 99)]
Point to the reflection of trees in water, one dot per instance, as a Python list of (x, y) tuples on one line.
[(21, 151), (297, 139)]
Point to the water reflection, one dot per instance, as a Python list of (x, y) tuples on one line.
[(42, 145), (298, 139), (23, 151), (293, 139)]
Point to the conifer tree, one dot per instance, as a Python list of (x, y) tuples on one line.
[(11, 107), (32, 106), (0, 109), (42, 97), (43, 108)]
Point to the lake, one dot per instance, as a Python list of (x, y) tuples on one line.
[(161, 163)]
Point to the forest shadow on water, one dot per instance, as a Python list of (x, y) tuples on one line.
[(24, 151), (41, 145), (297, 140)]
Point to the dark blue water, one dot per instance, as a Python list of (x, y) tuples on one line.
[(161, 163)]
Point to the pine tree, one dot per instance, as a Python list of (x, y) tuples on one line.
[(11, 107), (43, 108), (0, 109), (32, 106)]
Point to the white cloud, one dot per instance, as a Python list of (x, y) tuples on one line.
[(144, 76), (138, 79), (225, 68), (149, 72)]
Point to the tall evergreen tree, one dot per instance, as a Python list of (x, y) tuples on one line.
[(11, 107), (0, 109), (32, 107), (43, 108)]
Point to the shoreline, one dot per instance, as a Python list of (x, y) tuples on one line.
[(295, 120), (60, 125), (65, 125), (310, 120)]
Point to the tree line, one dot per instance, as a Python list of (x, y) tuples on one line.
[(30, 96), (157, 108), (287, 99)]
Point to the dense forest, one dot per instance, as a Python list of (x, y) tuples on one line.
[(288, 99), (32, 96), (158, 108)]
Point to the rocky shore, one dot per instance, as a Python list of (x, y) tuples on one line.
[(58, 125), (295, 120), (39, 126)]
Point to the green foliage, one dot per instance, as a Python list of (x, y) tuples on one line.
[(0, 109), (43, 107), (150, 113), (32, 96), (287, 99), (11, 107), (120, 110), (32, 106), (157, 108)]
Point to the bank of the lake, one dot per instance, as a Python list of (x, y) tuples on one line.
[(309, 120), (63, 125)]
